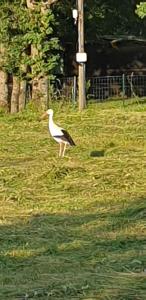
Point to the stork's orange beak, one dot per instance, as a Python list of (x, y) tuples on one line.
[(44, 116)]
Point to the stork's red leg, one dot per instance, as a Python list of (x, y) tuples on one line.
[(64, 148), (60, 150)]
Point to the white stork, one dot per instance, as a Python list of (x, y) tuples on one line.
[(59, 134)]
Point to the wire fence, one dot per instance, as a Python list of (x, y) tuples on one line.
[(63, 88), (99, 88), (117, 87)]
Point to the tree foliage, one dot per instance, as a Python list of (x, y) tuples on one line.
[(102, 17), (19, 29), (110, 17), (141, 9)]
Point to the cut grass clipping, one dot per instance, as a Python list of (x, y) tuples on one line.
[(74, 228)]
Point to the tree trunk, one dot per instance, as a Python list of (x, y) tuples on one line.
[(3, 81), (51, 2), (3, 91), (39, 92), (15, 95), (22, 95), (31, 3)]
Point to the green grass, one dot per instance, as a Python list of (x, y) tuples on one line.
[(75, 227)]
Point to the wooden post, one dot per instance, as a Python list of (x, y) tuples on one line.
[(81, 83)]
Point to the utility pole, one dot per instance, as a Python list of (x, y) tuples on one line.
[(81, 56)]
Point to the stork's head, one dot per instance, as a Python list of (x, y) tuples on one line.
[(49, 112)]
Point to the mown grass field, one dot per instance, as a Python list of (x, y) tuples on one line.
[(75, 227)]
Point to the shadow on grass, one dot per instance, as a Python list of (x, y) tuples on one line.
[(74, 256), (101, 153), (97, 153)]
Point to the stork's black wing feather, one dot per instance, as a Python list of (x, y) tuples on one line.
[(66, 136)]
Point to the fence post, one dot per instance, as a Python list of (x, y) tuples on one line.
[(74, 89), (123, 88), (123, 85)]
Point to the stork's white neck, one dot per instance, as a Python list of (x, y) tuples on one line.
[(54, 129), (51, 123)]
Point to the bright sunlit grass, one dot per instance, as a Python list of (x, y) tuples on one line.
[(74, 228)]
